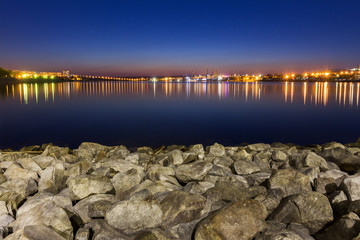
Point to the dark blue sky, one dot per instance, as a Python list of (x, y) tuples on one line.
[(175, 37)]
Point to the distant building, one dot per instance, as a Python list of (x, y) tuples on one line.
[(66, 73), (355, 69)]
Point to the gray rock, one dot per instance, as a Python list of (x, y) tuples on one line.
[(181, 207), (193, 172), (83, 207), (85, 185), (290, 181), (24, 187), (343, 158), (135, 215), (126, 181), (35, 232), (217, 150), (351, 186), (52, 179), (48, 214), (347, 227), (258, 147), (240, 220), (246, 167), (310, 209)]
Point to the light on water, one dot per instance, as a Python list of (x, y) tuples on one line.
[(139, 113)]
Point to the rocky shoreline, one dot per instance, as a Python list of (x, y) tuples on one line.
[(258, 191)]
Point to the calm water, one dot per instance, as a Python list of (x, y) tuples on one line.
[(153, 114)]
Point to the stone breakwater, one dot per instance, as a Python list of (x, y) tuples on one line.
[(258, 191)]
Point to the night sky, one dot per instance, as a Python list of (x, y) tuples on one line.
[(178, 37)]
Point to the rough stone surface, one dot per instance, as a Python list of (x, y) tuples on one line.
[(240, 220)]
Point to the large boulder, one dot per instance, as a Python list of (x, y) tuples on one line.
[(246, 167), (290, 181), (124, 182), (240, 220), (311, 209), (14, 171), (351, 187), (135, 215), (347, 227), (85, 185), (48, 214), (52, 179), (24, 187), (181, 207), (193, 172), (84, 207), (343, 158), (35, 232)]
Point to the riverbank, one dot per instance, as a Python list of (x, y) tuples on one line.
[(256, 191)]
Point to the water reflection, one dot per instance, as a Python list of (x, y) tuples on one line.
[(318, 94)]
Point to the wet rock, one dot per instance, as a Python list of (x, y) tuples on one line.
[(181, 207), (310, 209), (193, 172), (240, 220), (246, 167), (85, 185), (135, 215), (290, 181)]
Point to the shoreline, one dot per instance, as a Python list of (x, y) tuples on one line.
[(256, 191)]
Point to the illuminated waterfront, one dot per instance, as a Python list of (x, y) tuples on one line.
[(139, 113)]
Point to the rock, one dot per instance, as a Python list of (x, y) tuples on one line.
[(197, 149), (14, 171), (92, 148), (193, 172), (155, 171), (103, 231), (217, 150), (271, 199), (343, 158), (181, 207), (154, 234), (48, 214), (240, 220), (85, 185), (279, 156), (242, 155), (280, 231), (133, 158), (314, 160), (79, 168), (290, 181), (29, 164), (35, 232), (310, 209), (118, 165), (153, 189), (332, 145), (43, 162), (176, 157), (246, 167), (125, 182), (11, 198), (83, 207), (83, 234), (135, 215), (351, 186), (337, 197), (223, 161), (198, 187), (347, 227), (311, 172), (69, 158), (5, 220), (257, 179), (24, 187), (55, 151), (52, 179), (258, 147), (325, 185), (118, 152)]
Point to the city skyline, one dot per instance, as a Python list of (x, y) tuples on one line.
[(173, 38)]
